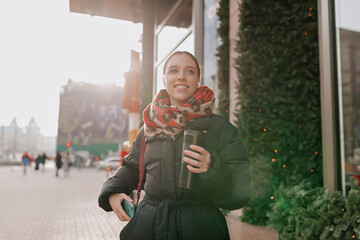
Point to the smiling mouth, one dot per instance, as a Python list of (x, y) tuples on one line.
[(181, 86)]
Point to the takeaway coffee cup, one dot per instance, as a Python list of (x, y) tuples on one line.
[(191, 137)]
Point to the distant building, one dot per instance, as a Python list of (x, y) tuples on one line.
[(15, 140), (91, 118)]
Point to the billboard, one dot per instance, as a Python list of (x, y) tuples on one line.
[(91, 114)]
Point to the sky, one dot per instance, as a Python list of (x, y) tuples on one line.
[(42, 45)]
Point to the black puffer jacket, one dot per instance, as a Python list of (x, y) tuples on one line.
[(170, 212)]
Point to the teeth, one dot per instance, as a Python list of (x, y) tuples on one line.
[(180, 87)]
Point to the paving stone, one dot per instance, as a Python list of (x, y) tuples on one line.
[(43, 207)]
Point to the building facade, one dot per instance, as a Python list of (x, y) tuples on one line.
[(191, 25), (14, 140), (91, 118)]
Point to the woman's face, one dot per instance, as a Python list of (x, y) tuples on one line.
[(181, 78)]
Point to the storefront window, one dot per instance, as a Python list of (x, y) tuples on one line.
[(186, 45), (348, 35), (174, 30), (173, 34)]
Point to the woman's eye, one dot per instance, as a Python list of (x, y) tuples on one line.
[(190, 71), (172, 71)]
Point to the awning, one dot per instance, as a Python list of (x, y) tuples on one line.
[(128, 10)]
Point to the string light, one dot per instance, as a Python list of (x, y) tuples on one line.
[(264, 129), (276, 150), (312, 170), (305, 33), (253, 139), (309, 14), (273, 160), (272, 198), (300, 126), (310, 8), (291, 151), (316, 152), (260, 110), (284, 166)]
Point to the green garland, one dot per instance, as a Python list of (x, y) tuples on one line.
[(222, 54), (279, 95), (302, 212)]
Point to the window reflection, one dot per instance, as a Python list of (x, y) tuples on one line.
[(186, 45), (349, 46), (174, 30)]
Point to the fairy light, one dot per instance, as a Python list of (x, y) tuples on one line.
[(260, 110), (312, 170), (254, 139), (305, 33), (276, 150), (273, 160), (291, 151), (264, 129), (284, 166), (272, 198), (316, 152)]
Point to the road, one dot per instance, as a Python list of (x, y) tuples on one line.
[(43, 207)]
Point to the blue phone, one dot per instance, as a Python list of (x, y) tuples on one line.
[(129, 208)]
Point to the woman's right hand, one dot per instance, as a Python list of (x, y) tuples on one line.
[(115, 201)]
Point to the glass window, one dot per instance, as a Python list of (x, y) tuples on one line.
[(174, 30), (348, 30), (186, 45)]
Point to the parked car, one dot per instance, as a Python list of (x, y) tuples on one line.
[(112, 162)]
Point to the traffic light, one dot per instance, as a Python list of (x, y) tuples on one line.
[(68, 144)]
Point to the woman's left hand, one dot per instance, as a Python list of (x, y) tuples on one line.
[(202, 162)]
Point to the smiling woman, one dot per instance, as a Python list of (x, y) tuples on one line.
[(219, 167), (181, 77)]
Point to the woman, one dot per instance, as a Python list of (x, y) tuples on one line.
[(220, 171)]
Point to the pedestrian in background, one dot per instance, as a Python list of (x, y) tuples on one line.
[(67, 163), (58, 162), (25, 160), (220, 169), (37, 162), (43, 159)]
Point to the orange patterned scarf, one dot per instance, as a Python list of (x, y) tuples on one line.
[(161, 117)]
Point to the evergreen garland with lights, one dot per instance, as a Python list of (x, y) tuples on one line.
[(222, 54), (302, 212), (279, 95)]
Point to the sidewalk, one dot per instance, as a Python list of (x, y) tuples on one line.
[(42, 207)]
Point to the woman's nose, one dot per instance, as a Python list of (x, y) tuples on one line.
[(181, 75)]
